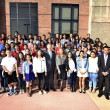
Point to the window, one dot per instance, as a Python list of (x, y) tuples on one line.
[(65, 18), (24, 18)]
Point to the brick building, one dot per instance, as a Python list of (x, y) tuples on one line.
[(43, 16), (56, 16)]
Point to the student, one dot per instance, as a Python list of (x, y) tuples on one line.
[(34, 50), (30, 45), (22, 45), (9, 64), (61, 68), (93, 71), (28, 74), (4, 86), (36, 41), (15, 53), (2, 45), (12, 46), (10, 39), (71, 71), (40, 70), (82, 64), (42, 46), (19, 71), (25, 48)]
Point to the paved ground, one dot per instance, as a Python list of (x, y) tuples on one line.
[(52, 101)]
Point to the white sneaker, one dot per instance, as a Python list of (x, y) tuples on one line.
[(40, 93), (44, 92), (20, 91), (3, 89)]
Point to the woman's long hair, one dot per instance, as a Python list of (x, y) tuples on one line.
[(59, 52), (18, 59)]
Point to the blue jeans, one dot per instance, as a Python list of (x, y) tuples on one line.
[(93, 79)]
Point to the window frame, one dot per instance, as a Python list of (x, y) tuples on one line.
[(30, 18), (72, 20)]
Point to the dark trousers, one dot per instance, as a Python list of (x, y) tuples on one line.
[(21, 82), (107, 82), (72, 79), (3, 82), (41, 76), (50, 80)]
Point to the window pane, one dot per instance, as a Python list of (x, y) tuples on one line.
[(66, 13), (34, 25), (65, 27), (75, 15), (13, 26), (22, 26), (75, 27), (13, 11), (56, 13), (55, 27), (23, 10), (34, 11)]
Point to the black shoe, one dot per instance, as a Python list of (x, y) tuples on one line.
[(100, 94), (47, 90), (74, 90), (107, 96), (53, 89), (71, 89), (61, 89)]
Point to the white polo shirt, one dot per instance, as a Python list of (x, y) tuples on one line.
[(8, 62)]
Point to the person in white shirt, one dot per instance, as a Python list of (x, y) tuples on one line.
[(93, 71), (9, 65), (40, 70), (71, 71)]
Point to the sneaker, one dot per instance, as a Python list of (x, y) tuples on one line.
[(44, 92), (40, 93), (10, 93), (15, 92), (7, 89), (3, 89), (22, 91)]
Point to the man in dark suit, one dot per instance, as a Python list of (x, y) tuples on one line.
[(50, 62), (104, 72)]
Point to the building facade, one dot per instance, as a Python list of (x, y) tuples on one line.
[(56, 16), (43, 16)]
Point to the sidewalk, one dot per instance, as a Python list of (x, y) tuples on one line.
[(52, 101)]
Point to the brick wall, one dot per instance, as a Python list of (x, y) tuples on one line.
[(2, 17), (44, 14)]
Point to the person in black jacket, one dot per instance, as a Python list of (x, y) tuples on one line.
[(104, 72)]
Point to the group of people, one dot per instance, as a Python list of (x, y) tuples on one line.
[(81, 60)]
